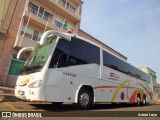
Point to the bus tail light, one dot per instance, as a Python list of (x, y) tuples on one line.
[(35, 84)]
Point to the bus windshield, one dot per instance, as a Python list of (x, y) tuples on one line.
[(39, 56)]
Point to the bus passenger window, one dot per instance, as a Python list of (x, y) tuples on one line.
[(59, 59), (76, 61), (72, 61), (62, 61)]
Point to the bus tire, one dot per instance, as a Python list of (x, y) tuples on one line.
[(85, 99), (57, 104)]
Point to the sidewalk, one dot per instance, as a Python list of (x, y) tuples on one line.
[(7, 94)]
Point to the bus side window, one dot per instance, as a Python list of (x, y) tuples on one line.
[(62, 61), (72, 61), (59, 59), (75, 61)]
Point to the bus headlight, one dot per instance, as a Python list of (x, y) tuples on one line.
[(35, 84)]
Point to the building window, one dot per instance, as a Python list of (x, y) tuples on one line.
[(28, 33), (31, 33), (58, 24), (33, 8), (72, 9), (41, 11), (39, 36), (63, 2), (47, 16), (15, 67), (35, 35), (67, 5)]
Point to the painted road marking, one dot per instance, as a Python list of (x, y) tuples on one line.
[(15, 109), (12, 107)]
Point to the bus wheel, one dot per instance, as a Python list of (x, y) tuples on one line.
[(85, 99), (56, 104), (138, 103)]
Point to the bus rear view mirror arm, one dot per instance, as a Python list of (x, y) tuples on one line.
[(50, 32), (23, 50)]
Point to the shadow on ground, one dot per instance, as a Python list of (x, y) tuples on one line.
[(71, 107)]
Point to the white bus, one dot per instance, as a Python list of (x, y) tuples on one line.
[(67, 68)]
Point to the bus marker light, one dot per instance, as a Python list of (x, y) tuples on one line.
[(69, 31)]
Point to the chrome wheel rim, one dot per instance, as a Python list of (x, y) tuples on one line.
[(138, 101), (144, 101), (84, 99)]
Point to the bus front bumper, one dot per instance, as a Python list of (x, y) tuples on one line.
[(28, 94)]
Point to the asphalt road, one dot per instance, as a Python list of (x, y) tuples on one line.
[(69, 112)]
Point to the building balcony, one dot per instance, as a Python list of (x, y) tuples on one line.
[(59, 7), (24, 41), (42, 21)]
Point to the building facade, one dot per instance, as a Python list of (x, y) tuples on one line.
[(153, 76), (7, 8), (9, 17), (42, 15), (31, 18)]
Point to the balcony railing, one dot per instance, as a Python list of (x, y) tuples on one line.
[(24, 41), (45, 18), (68, 8), (36, 13), (29, 36)]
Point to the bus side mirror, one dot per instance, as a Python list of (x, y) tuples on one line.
[(23, 50), (52, 32)]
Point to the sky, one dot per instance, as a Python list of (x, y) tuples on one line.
[(131, 27)]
